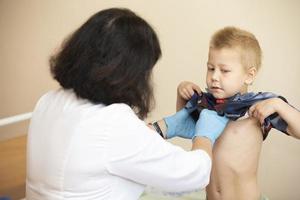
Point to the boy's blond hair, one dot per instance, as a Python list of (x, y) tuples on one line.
[(232, 37)]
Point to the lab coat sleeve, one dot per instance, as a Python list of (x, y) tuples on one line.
[(138, 153)]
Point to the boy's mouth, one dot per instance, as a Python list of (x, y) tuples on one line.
[(214, 88)]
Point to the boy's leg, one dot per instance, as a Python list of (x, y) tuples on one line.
[(235, 162)]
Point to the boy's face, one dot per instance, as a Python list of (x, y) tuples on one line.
[(226, 75)]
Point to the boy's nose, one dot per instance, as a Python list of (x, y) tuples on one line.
[(215, 75)]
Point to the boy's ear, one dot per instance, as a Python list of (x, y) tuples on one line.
[(251, 73)]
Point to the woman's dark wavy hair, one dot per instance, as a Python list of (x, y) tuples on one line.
[(109, 59)]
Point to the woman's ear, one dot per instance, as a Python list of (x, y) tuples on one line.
[(251, 73)]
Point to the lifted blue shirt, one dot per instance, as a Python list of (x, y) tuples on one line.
[(235, 107)]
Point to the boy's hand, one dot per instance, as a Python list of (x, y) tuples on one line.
[(210, 125), (186, 90), (265, 108)]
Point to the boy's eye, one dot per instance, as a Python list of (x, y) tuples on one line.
[(225, 71), (210, 68)]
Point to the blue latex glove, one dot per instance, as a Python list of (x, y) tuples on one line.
[(180, 124), (210, 125)]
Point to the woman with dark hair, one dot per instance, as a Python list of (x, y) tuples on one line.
[(87, 140)]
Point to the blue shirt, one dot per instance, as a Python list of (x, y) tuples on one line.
[(235, 107)]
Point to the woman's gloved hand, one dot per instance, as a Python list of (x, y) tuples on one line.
[(180, 124), (210, 125)]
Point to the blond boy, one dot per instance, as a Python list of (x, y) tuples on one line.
[(233, 61)]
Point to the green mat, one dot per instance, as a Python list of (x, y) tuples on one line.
[(191, 196), (156, 196)]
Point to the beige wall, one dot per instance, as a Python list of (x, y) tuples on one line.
[(30, 30)]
